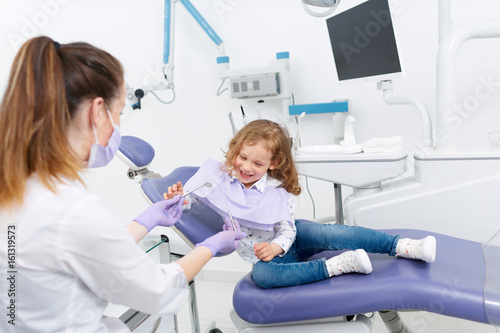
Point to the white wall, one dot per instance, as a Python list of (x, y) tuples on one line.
[(196, 125)]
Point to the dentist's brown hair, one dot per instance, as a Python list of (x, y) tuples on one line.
[(46, 86)]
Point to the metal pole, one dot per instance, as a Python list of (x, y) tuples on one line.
[(339, 214), (193, 309)]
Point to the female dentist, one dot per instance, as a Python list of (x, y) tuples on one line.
[(63, 255)]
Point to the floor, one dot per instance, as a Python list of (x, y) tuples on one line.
[(214, 304), (215, 299)]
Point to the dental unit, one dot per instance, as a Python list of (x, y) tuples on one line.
[(450, 187), (445, 188), (442, 197), (393, 285)]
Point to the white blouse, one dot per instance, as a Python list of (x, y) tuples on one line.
[(64, 256)]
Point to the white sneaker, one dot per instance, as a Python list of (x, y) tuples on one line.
[(349, 262), (421, 249)]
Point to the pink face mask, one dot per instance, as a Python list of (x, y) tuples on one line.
[(100, 156)]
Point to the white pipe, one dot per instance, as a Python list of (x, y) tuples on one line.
[(444, 10), (221, 51), (447, 76), (390, 99)]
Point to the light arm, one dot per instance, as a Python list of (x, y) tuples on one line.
[(169, 32), (331, 4), (201, 21)]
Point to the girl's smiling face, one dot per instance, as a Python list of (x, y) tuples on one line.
[(252, 163)]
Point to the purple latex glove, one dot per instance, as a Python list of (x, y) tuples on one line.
[(229, 226), (224, 241), (164, 213)]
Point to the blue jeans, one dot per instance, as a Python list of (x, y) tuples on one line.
[(313, 238)]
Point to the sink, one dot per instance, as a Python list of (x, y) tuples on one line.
[(347, 164), (326, 150), (361, 170)]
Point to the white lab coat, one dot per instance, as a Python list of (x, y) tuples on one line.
[(72, 257)]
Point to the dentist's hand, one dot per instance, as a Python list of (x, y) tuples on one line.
[(229, 226), (163, 213), (224, 241)]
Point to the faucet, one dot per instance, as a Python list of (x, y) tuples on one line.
[(296, 140), (349, 139)]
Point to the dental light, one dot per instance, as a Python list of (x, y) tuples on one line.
[(331, 4)]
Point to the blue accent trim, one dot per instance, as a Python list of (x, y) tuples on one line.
[(340, 106), (283, 55), (166, 32), (201, 21), (223, 60)]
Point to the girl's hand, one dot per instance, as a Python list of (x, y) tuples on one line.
[(174, 190), (266, 252)]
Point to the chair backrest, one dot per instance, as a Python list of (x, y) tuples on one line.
[(197, 223), (136, 153)]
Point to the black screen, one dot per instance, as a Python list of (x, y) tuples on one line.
[(363, 41)]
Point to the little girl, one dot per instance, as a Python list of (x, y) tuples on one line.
[(257, 184)]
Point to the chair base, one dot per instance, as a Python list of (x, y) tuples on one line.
[(360, 324)]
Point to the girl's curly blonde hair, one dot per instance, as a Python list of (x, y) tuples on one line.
[(275, 138)]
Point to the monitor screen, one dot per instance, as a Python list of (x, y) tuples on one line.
[(363, 42)]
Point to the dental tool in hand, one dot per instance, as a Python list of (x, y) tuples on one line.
[(230, 216), (207, 184)]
